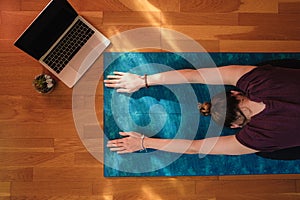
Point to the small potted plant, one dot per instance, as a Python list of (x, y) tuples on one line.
[(44, 83)]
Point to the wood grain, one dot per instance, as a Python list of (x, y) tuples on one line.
[(9, 174), (41, 154), (219, 6), (131, 18), (4, 189), (289, 7), (245, 187), (176, 18)]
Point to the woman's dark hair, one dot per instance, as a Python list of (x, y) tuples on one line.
[(222, 107)]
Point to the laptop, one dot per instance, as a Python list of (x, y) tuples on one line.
[(63, 42)]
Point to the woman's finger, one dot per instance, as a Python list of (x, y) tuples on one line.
[(111, 145), (112, 85), (113, 76), (118, 149), (124, 133), (112, 81), (120, 73), (116, 141)]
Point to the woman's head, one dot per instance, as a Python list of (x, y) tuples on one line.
[(228, 106)]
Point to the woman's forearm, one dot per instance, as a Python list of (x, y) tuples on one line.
[(173, 145), (173, 77)]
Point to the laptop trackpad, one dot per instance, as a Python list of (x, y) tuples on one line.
[(69, 76), (87, 55)]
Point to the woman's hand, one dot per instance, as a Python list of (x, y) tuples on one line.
[(133, 142), (125, 82)]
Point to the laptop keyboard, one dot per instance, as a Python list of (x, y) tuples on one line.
[(68, 46)]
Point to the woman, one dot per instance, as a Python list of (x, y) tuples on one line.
[(268, 109)]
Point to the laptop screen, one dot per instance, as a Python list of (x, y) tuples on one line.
[(46, 28)]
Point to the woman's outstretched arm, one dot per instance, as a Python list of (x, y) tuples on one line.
[(225, 145), (227, 75)]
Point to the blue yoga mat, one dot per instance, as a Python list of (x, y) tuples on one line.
[(170, 112)]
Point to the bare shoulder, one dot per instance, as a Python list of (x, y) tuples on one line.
[(232, 73)]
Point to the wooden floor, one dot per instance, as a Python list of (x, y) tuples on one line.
[(42, 157)]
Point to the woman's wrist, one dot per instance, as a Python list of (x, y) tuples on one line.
[(146, 142), (143, 148), (144, 82)]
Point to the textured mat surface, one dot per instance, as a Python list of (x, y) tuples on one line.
[(170, 112)]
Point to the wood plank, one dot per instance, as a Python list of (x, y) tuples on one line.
[(132, 18), (8, 174), (58, 174), (190, 45), (151, 5), (151, 194), (10, 5), (254, 196), (46, 102), (107, 5), (207, 6), (210, 45), (262, 6), (262, 177), (259, 46), (5, 189), (46, 188), (93, 17), (76, 145), (59, 160), (270, 20), (17, 18), (85, 159), (7, 46), (165, 5), (289, 7), (145, 187), (209, 32), (11, 32), (235, 32), (31, 5), (17, 61), (110, 31), (26, 159), (69, 145), (26, 145), (219, 6), (176, 18), (245, 187), (136, 38), (130, 5), (64, 197), (36, 115), (33, 130)]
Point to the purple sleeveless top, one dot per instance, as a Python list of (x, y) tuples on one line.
[(278, 125)]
